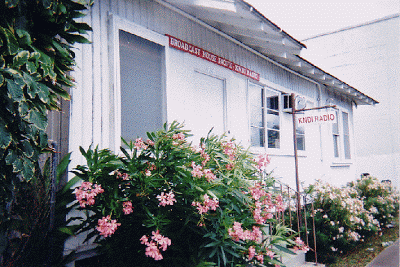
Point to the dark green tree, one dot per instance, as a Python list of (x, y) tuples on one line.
[(36, 41)]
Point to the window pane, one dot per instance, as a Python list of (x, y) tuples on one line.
[(273, 121), (273, 103), (141, 85), (345, 123), (257, 118), (273, 139), (346, 142), (255, 95), (336, 146), (257, 137), (335, 126), (301, 142), (346, 138)]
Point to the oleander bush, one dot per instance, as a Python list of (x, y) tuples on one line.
[(164, 202), (345, 216)]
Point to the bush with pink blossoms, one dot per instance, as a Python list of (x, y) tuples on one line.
[(165, 202), (345, 216)]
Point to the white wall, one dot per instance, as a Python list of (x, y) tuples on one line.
[(367, 57)]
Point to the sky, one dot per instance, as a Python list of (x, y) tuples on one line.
[(306, 18)]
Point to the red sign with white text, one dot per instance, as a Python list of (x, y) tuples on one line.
[(201, 53)]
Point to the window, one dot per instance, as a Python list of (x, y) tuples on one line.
[(300, 138), (346, 135), (336, 137), (264, 117), (141, 81)]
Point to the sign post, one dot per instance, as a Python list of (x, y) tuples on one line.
[(296, 161), (329, 117)]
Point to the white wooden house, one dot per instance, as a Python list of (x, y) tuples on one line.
[(208, 63)]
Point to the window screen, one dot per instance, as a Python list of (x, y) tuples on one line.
[(141, 67)]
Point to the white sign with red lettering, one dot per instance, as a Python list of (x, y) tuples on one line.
[(323, 117)]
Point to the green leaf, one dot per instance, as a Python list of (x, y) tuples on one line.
[(67, 230), (23, 108), (17, 165), (24, 37), (38, 119), (62, 166), (31, 67), (286, 250), (11, 157), (43, 93), (28, 169), (2, 61), (71, 183), (11, 41), (32, 85), (1, 79), (62, 9), (15, 90), (27, 149), (20, 59), (5, 136)]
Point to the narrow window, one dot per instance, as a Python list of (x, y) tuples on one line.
[(335, 132), (141, 67), (346, 137), (257, 123)]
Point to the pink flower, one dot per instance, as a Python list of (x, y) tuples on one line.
[(106, 226), (86, 192), (127, 207), (139, 144), (197, 172), (166, 199), (179, 136), (208, 204), (209, 175), (149, 142), (123, 176), (153, 248), (230, 166), (252, 252), (229, 150), (260, 258), (270, 254), (262, 161), (205, 156)]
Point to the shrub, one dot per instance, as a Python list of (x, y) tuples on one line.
[(345, 216), (167, 203)]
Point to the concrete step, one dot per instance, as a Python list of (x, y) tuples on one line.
[(294, 260), (310, 264)]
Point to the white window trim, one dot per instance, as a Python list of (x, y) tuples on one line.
[(264, 149), (281, 90), (116, 24), (341, 160)]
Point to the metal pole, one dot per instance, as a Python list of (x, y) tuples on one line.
[(296, 161)]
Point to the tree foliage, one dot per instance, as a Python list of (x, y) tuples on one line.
[(36, 40)]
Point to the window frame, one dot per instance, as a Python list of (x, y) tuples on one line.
[(342, 159), (116, 24), (264, 119)]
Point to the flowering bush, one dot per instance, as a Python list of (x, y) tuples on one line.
[(345, 216), (165, 202)]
